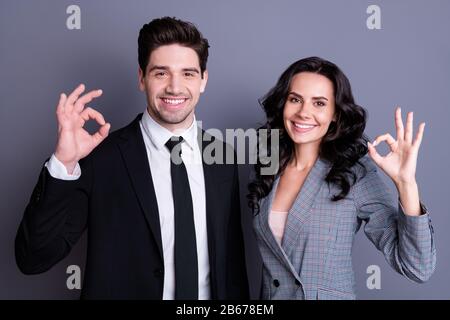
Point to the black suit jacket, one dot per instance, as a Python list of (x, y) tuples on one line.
[(114, 200)]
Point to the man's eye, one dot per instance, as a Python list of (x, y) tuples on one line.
[(160, 74), (188, 74)]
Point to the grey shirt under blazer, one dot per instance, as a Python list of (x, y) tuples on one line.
[(314, 260)]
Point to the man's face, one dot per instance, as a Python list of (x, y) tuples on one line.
[(173, 83)]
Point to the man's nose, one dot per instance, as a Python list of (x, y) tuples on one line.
[(174, 85)]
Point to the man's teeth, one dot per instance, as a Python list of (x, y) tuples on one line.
[(174, 101), (303, 126)]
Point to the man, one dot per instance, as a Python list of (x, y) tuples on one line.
[(162, 223)]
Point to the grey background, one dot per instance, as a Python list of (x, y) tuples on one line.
[(405, 63)]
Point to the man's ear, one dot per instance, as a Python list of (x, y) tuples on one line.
[(204, 81), (141, 79)]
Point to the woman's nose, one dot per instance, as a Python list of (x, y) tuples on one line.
[(304, 110)]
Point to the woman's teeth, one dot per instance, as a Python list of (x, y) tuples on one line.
[(303, 126)]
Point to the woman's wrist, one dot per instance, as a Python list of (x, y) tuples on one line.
[(409, 197)]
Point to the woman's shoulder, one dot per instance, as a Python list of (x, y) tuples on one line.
[(364, 166)]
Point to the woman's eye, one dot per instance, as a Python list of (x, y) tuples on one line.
[(295, 100), (320, 103)]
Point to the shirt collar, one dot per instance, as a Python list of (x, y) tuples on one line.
[(159, 135)]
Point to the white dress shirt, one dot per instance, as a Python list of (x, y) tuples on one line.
[(155, 136)]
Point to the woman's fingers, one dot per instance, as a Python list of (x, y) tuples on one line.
[(374, 154), (389, 140), (409, 127), (399, 124), (86, 98), (419, 135)]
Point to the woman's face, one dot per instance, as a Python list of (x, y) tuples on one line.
[(309, 108)]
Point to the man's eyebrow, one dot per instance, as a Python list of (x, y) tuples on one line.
[(166, 68), (191, 70), (158, 68)]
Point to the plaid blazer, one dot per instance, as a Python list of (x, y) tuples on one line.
[(314, 260)]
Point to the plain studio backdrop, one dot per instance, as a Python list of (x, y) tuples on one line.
[(405, 62)]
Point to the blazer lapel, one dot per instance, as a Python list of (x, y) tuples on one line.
[(302, 207), (204, 139), (267, 235), (134, 154)]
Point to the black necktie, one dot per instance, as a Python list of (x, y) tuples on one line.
[(186, 267)]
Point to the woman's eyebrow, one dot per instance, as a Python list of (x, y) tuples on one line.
[(319, 98), (295, 94), (300, 96)]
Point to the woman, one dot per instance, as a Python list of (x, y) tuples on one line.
[(307, 214)]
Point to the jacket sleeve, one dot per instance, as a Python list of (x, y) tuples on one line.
[(407, 242), (53, 221)]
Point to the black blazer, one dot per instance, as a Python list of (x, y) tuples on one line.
[(115, 200)]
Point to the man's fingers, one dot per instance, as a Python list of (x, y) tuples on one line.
[(73, 97), (102, 133), (86, 98), (61, 102), (89, 113)]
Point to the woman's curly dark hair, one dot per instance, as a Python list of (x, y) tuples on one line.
[(343, 144)]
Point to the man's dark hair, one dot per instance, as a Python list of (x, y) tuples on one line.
[(166, 31)]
